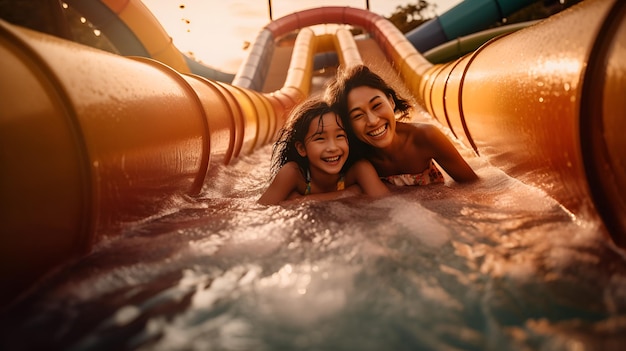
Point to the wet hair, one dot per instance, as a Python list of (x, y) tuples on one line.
[(295, 129), (357, 76)]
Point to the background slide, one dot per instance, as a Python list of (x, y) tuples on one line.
[(469, 16), (118, 136), (134, 31)]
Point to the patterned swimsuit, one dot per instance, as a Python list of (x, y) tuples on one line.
[(340, 183), (430, 175)]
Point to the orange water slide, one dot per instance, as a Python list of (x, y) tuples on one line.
[(108, 140)]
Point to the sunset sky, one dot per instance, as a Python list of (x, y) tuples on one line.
[(215, 31)]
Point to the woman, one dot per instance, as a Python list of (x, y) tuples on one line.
[(402, 153)]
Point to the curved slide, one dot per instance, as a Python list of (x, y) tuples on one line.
[(87, 150), (467, 17), (453, 49)]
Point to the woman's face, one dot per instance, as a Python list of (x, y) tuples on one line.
[(372, 116), (325, 144)]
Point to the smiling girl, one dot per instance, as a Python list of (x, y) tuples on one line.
[(312, 158)]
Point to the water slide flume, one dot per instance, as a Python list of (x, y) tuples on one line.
[(453, 49), (107, 140)]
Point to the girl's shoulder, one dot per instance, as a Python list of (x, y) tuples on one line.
[(290, 171), (290, 167), (287, 183), (290, 176)]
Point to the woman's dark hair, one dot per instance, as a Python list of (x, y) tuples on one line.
[(295, 130)]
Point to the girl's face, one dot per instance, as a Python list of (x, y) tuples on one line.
[(325, 144), (372, 116)]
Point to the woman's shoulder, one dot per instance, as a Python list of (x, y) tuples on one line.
[(418, 132), (416, 127)]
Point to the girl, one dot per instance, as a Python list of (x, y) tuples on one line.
[(311, 157), (402, 153)]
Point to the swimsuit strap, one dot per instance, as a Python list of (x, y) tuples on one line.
[(341, 184), (307, 191)]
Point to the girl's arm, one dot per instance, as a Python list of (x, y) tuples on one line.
[(284, 184), (367, 178), (447, 156), (352, 190)]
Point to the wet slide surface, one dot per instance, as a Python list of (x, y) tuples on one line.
[(495, 265)]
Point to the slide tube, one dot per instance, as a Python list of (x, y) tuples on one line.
[(90, 148), (464, 45), (532, 116), (469, 16), (253, 70), (603, 121)]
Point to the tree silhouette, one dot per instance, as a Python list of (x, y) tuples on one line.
[(414, 14)]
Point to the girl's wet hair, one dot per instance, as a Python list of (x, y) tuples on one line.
[(295, 129)]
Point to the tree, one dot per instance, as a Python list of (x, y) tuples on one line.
[(537, 10), (412, 15)]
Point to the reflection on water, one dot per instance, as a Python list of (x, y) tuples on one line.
[(495, 265)]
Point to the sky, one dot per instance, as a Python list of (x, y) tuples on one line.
[(216, 32)]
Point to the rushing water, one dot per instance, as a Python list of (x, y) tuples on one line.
[(495, 265)]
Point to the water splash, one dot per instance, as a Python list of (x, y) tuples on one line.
[(492, 265)]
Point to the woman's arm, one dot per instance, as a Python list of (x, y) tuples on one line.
[(283, 185), (367, 178), (447, 156)]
